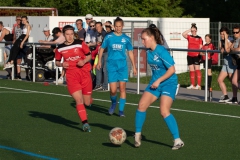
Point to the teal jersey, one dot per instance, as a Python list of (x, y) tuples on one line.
[(159, 61), (117, 46)]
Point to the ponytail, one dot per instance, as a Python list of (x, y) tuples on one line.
[(154, 31), (194, 26)]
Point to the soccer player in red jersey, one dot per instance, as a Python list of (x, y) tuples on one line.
[(76, 56), (193, 58), (208, 46)]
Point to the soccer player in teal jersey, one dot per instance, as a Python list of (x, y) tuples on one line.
[(117, 43), (162, 86)]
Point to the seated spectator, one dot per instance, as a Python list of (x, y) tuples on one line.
[(48, 37)]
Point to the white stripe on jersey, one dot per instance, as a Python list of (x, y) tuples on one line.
[(70, 47), (166, 61)]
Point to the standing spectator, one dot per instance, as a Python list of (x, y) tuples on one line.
[(81, 31), (88, 29), (117, 44), (102, 72), (76, 56), (109, 27), (60, 39), (193, 58), (19, 43), (208, 46), (6, 35), (228, 68), (91, 39), (236, 48)]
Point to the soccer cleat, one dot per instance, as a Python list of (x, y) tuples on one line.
[(232, 101), (197, 87), (18, 78), (112, 108), (86, 127), (27, 78), (223, 99), (104, 89), (121, 114), (138, 138), (177, 145), (191, 87), (98, 87)]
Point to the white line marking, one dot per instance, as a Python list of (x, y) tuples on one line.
[(133, 104), (12, 92)]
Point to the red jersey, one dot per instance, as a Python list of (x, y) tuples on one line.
[(73, 53), (209, 46), (194, 42)]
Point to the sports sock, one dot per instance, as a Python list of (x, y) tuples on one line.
[(199, 77), (192, 77), (122, 104), (209, 81), (172, 125), (139, 120), (113, 99), (81, 112)]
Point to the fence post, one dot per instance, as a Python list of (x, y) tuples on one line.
[(34, 63), (206, 76), (219, 38), (138, 71), (56, 71)]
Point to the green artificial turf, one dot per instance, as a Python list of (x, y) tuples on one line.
[(48, 125)]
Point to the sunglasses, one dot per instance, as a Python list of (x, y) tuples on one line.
[(235, 32), (92, 26), (88, 19)]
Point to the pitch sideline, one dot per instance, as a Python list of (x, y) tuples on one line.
[(133, 104)]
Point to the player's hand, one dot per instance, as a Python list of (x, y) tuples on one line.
[(99, 66), (80, 63), (65, 64), (134, 71), (155, 85)]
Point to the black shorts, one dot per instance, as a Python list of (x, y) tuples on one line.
[(238, 64), (209, 64), (193, 60)]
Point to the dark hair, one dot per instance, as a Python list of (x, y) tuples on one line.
[(56, 30), (25, 17), (236, 27), (109, 22), (118, 19), (67, 27), (1, 23), (208, 35), (224, 29), (152, 30), (98, 23), (194, 26), (79, 20)]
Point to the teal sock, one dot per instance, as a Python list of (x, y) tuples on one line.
[(113, 99), (139, 120), (172, 126), (121, 104)]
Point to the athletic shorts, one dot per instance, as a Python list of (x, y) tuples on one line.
[(209, 64), (79, 80), (167, 90), (193, 60), (117, 71), (228, 68)]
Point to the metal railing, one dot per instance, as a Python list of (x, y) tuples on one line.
[(138, 62)]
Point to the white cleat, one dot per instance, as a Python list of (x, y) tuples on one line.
[(178, 144), (138, 138), (198, 87), (191, 87)]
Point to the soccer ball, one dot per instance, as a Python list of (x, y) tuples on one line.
[(117, 136)]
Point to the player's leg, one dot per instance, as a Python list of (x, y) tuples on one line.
[(223, 74), (209, 73), (122, 100), (198, 72), (113, 97), (191, 72), (148, 97), (166, 100)]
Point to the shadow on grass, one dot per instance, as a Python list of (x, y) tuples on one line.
[(130, 134), (54, 119)]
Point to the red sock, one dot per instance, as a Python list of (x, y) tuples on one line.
[(81, 112), (192, 77), (199, 77)]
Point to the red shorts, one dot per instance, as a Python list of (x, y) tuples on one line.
[(79, 80)]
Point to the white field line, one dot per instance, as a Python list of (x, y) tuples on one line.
[(133, 104)]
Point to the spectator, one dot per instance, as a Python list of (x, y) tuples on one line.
[(19, 43), (108, 26), (102, 72), (81, 31), (6, 35), (228, 68), (208, 46), (48, 37), (193, 58), (91, 36), (236, 48)]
